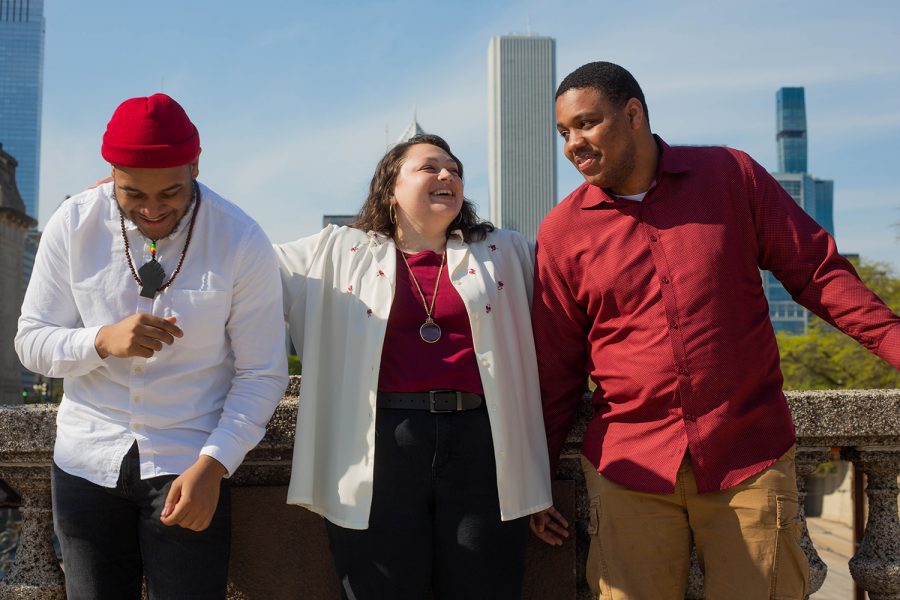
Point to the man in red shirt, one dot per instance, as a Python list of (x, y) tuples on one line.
[(647, 280)]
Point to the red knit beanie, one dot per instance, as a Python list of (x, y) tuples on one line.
[(153, 133)]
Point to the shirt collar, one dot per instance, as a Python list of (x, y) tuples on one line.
[(378, 238), (670, 161)]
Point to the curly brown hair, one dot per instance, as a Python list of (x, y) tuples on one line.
[(374, 214)]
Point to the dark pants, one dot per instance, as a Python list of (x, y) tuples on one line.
[(112, 537), (435, 518)]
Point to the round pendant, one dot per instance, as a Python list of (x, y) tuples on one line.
[(430, 331)]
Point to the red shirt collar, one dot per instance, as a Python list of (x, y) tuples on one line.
[(670, 161)]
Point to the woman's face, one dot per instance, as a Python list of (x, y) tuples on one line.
[(428, 193)]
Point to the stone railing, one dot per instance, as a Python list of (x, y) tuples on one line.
[(281, 551)]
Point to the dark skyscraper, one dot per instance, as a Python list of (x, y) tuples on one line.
[(790, 127), (21, 84)]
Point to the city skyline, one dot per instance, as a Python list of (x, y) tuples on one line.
[(292, 118), (21, 86), (815, 196), (521, 131)]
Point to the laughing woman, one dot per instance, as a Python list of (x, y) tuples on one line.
[(419, 436)]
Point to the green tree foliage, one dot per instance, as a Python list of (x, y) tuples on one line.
[(825, 358), (294, 366)]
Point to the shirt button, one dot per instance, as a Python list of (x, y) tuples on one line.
[(138, 370), (136, 426), (674, 325), (682, 371), (690, 417), (665, 280), (137, 398), (653, 238), (485, 362)]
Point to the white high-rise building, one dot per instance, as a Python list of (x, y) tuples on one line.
[(521, 131)]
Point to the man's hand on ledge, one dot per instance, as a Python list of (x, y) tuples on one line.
[(550, 526), (194, 495)]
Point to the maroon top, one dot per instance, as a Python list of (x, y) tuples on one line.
[(409, 364), (661, 302)]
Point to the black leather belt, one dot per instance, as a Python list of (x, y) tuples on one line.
[(436, 401)]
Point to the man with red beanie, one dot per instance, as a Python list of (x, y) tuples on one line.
[(159, 303)]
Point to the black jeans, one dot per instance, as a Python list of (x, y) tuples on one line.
[(112, 537), (435, 518)]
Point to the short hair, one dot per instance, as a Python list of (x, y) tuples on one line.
[(615, 82)]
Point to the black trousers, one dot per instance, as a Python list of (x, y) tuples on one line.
[(435, 518), (112, 537)]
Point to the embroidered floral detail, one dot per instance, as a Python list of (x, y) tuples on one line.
[(349, 288), (471, 271), (368, 312), (380, 273), (354, 248), (499, 285), (493, 247), (487, 308)]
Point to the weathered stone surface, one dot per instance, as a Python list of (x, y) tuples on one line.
[(876, 565), (35, 572), (807, 460), (276, 544)]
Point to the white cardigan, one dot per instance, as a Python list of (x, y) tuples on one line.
[(338, 289)]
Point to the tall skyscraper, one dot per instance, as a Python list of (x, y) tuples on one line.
[(21, 84), (815, 196), (790, 129), (521, 131)]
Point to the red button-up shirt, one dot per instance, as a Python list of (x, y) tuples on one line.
[(661, 303)]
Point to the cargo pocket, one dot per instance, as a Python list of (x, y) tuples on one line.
[(790, 575)]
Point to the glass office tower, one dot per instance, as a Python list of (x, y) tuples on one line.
[(21, 83), (815, 196)]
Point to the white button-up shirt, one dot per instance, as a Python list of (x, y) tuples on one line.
[(211, 392), (338, 289)]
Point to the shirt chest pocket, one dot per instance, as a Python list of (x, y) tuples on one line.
[(201, 315)]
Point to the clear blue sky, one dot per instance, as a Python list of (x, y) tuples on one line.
[(293, 98)]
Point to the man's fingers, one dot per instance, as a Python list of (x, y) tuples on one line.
[(549, 538), (558, 516), (161, 328), (169, 325), (557, 529), (151, 343), (172, 499)]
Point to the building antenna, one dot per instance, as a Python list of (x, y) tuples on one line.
[(528, 26), (386, 143)]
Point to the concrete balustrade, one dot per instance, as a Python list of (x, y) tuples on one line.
[(281, 551)]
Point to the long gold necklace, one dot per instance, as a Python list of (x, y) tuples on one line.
[(430, 331)]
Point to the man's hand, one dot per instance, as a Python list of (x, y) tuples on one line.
[(550, 526), (194, 495), (137, 335)]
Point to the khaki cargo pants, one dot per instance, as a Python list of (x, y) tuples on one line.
[(747, 538)]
